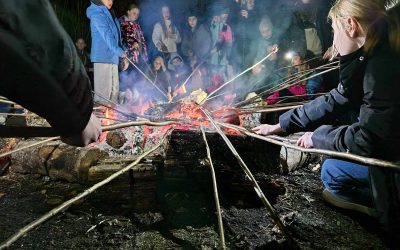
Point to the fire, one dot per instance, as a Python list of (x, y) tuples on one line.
[(181, 90), (108, 116)]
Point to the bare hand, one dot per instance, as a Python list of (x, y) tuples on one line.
[(136, 45), (305, 141), (272, 49), (124, 64), (244, 13), (328, 54), (90, 134), (266, 129)]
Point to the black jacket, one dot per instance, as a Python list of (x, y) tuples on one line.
[(40, 68), (370, 85)]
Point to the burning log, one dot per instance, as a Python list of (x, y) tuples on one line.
[(116, 139)]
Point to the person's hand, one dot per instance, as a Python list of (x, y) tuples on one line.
[(216, 19), (305, 140), (124, 55), (159, 45), (136, 45), (128, 96), (266, 129), (257, 69), (90, 134), (244, 13), (124, 64), (328, 53), (271, 49)]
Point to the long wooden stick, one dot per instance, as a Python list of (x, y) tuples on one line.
[(254, 182), (139, 123), (6, 101), (70, 202), (348, 156), (29, 131), (29, 146), (288, 79), (275, 50), (105, 128), (147, 78), (215, 187), (282, 141)]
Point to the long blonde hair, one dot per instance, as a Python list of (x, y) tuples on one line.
[(376, 17)]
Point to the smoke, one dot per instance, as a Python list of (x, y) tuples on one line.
[(249, 43)]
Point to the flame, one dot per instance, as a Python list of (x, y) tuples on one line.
[(141, 106), (181, 90)]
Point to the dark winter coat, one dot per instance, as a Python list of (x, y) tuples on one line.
[(198, 41), (40, 68), (370, 85)]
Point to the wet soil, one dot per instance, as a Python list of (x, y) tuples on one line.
[(184, 217)]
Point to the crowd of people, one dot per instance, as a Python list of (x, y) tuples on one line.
[(43, 72), (231, 36)]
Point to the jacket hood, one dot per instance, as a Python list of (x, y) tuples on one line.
[(97, 2), (173, 56), (93, 9)]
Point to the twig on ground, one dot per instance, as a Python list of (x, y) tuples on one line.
[(254, 182), (215, 187), (70, 202)]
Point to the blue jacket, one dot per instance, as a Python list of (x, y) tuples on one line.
[(106, 35)]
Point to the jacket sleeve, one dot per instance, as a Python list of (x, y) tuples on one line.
[(40, 67), (186, 43), (178, 36), (99, 23), (326, 109), (377, 114), (206, 42)]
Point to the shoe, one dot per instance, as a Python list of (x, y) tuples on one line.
[(338, 202)]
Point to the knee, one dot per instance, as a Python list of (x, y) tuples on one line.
[(329, 167)]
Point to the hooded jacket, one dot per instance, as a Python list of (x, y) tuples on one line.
[(369, 85), (106, 35), (198, 41)]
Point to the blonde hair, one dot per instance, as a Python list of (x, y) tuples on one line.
[(161, 61), (374, 16)]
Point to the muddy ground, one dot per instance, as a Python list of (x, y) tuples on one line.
[(109, 218)]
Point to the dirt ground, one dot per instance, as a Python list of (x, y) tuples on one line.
[(107, 220)]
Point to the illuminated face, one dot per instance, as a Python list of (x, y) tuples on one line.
[(107, 3), (266, 32), (165, 12), (296, 60), (341, 39), (192, 20), (133, 14), (80, 44), (251, 4), (176, 61), (224, 17), (157, 64)]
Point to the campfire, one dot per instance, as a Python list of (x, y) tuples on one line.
[(185, 124)]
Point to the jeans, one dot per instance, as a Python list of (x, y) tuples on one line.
[(348, 181)]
